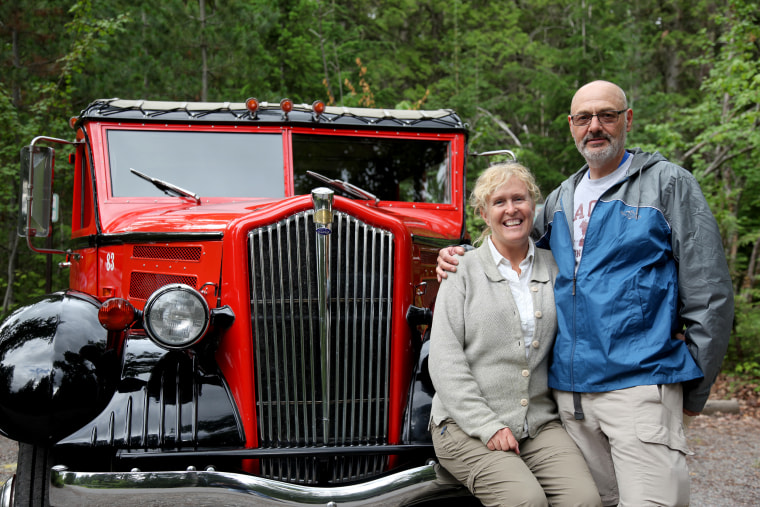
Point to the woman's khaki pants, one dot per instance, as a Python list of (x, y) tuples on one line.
[(549, 470)]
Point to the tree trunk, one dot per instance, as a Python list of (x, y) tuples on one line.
[(145, 28), (204, 51), (326, 80), (750, 283), (49, 265), (13, 244)]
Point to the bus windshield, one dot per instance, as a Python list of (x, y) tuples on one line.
[(242, 164)]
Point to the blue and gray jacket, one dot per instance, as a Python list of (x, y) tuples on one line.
[(653, 264)]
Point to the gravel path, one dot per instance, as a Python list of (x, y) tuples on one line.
[(725, 470)]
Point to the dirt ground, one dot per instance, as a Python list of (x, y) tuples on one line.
[(725, 469)]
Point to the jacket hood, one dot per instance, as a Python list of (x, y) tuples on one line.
[(641, 161)]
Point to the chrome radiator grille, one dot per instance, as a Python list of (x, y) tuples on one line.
[(300, 402)]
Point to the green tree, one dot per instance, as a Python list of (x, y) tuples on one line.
[(509, 68), (49, 47), (723, 147)]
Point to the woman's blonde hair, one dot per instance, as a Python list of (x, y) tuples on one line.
[(493, 178)]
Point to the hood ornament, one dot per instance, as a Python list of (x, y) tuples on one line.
[(323, 200)]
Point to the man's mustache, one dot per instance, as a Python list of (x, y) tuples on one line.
[(600, 135)]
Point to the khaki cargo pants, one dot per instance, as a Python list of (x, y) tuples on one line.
[(549, 469), (634, 442)]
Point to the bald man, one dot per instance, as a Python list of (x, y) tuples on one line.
[(644, 304)]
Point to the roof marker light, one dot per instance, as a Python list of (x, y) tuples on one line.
[(286, 105), (318, 107), (253, 105)]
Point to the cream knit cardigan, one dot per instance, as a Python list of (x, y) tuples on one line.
[(477, 358)]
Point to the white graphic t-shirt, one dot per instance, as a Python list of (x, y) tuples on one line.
[(587, 193)]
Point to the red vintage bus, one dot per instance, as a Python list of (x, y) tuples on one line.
[(251, 286)]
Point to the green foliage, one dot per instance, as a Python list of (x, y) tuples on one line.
[(690, 70), (719, 139), (748, 368)]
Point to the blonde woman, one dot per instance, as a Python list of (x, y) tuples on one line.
[(494, 422)]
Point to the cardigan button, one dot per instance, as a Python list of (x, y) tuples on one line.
[(534, 289), (535, 344), (525, 373), (524, 402), (538, 314)]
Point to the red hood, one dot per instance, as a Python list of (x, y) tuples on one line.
[(170, 216)]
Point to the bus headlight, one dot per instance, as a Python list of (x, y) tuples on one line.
[(176, 316)]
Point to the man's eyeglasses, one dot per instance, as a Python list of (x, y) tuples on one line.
[(583, 119)]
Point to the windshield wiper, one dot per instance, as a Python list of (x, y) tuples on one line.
[(168, 188), (345, 186)]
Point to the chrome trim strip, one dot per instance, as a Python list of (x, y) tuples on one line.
[(283, 333), (340, 295), (6, 492), (361, 268), (387, 320), (355, 297), (323, 218), (142, 456), (275, 338), (309, 262), (255, 262), (425, 483), (293, 345)]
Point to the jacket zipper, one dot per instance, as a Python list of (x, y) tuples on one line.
[(575, 274), (574, 333)]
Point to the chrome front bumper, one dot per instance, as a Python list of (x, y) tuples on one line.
[(200, 488)]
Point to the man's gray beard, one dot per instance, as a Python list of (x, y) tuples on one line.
[(599, 157)]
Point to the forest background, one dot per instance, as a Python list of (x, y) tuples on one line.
[(508, 67)]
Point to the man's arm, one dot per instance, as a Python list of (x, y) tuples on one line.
[(704, 284)]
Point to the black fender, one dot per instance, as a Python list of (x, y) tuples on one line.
[(420, 399), (56, 371), (164, 401)]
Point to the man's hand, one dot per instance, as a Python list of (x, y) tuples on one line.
[(504, 440), (688, 417), (682, 337), (447, 261)]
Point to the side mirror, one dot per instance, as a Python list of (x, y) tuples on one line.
[(36, 192)]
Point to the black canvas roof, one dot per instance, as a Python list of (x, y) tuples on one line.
[(269, 113)]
